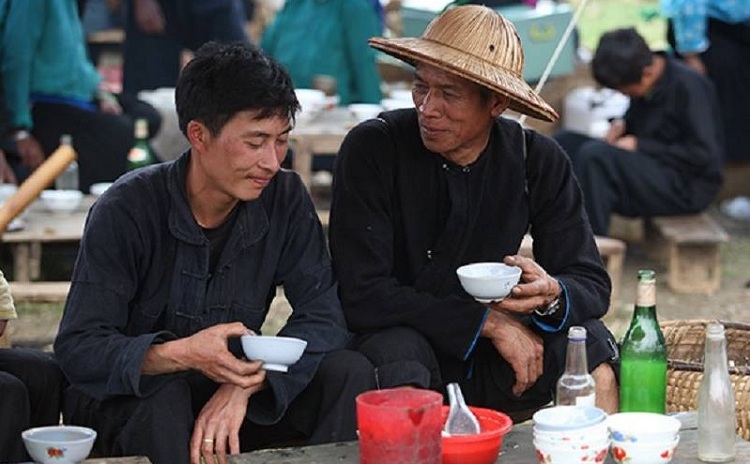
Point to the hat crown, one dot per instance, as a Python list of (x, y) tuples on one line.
[(481, 33)]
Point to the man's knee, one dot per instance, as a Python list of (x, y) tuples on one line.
[(401, 356), (345, 367)]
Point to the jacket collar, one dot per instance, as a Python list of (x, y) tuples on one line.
[(252, 219)]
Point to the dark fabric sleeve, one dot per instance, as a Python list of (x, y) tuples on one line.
[(362, 235), (564, 243), (92, 344), (697, 145)]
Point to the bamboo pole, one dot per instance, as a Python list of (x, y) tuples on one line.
[(42, 177)]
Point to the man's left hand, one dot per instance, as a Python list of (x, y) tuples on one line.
[(217, 429), (535, 289)]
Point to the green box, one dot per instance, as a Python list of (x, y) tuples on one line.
[(540, 29)]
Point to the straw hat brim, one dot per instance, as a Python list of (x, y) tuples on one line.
[(523, 99)]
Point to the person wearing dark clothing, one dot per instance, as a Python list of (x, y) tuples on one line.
[(31, 387), (157, 32), (51, 88), (419, 192), (161, 295), (664, 157)]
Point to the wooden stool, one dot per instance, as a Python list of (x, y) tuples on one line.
[(692, 244)]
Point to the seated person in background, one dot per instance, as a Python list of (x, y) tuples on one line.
[(160, 296), (31, 386), (664, 157), (312, 38), (51, 88), (425, 190)]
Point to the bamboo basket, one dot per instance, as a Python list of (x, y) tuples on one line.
[(685, 352)]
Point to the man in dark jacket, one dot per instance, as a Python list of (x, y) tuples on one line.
[(422, 191), (664, 157), (180, 260)]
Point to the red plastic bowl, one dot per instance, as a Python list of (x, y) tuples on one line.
[(477, 449)]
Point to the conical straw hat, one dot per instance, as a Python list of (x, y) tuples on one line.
[(478, 44)]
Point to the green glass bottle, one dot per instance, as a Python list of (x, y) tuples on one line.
[(140, 155), (643, 372)]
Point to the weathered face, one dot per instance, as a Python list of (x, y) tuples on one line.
[(454, 118), (240, 161)]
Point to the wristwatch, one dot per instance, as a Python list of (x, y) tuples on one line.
[(550, 309), (21, 134)]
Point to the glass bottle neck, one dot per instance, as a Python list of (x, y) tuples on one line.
[(575, 361), (716, 354)]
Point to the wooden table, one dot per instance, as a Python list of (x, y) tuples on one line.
[(321, 135), (517, 449), (42, 226)]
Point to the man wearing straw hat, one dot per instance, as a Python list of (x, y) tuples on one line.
[(419, 192)]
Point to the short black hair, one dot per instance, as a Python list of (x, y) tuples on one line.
[(620, 58), (225, 79)]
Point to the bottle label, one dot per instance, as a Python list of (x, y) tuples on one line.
[(137, 155), (588, 400), (645, 294)]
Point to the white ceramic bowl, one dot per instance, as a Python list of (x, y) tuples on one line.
[(277, 353), (566, 418), (646, 427), (62, 201), (60, 444), (644, 453), (595, 432), (584, 454), (99, 188), (364, 111), (488, 282), (312, 102)]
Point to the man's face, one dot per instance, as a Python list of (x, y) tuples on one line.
[(454, 119), (241, 160)]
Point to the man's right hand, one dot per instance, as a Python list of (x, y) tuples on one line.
[(518, 345), (149, 17), (205, 351), (30, 152)]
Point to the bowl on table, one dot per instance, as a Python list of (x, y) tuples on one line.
[(643, 427), (99, 188), (488, 282), (277, 353), (644, 453), (61, 201), (481, 448), (364, 111), (59, 444), (312, 102)]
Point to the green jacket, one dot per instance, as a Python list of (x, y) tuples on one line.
[(328, 37), (43, 52)]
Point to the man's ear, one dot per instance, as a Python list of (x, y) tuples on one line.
[(499, 103), (197, 134)]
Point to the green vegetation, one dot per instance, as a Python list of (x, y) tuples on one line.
[(600, 16)]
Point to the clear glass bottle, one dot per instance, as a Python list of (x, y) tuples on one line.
[(716, 407), (68, 178), (140, 155), (643, 369), (576, 387)]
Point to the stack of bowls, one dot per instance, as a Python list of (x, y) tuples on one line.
[(643, 437), (571, 434)]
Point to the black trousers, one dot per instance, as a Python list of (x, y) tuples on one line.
[(102, 140), (630, 183), (31, 387), (403, 356), (160, 426)]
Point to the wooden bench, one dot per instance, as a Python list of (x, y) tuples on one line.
[(612, 251), (692, 244), (39, 292)]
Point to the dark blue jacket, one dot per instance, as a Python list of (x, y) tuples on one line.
[(142, 277)]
